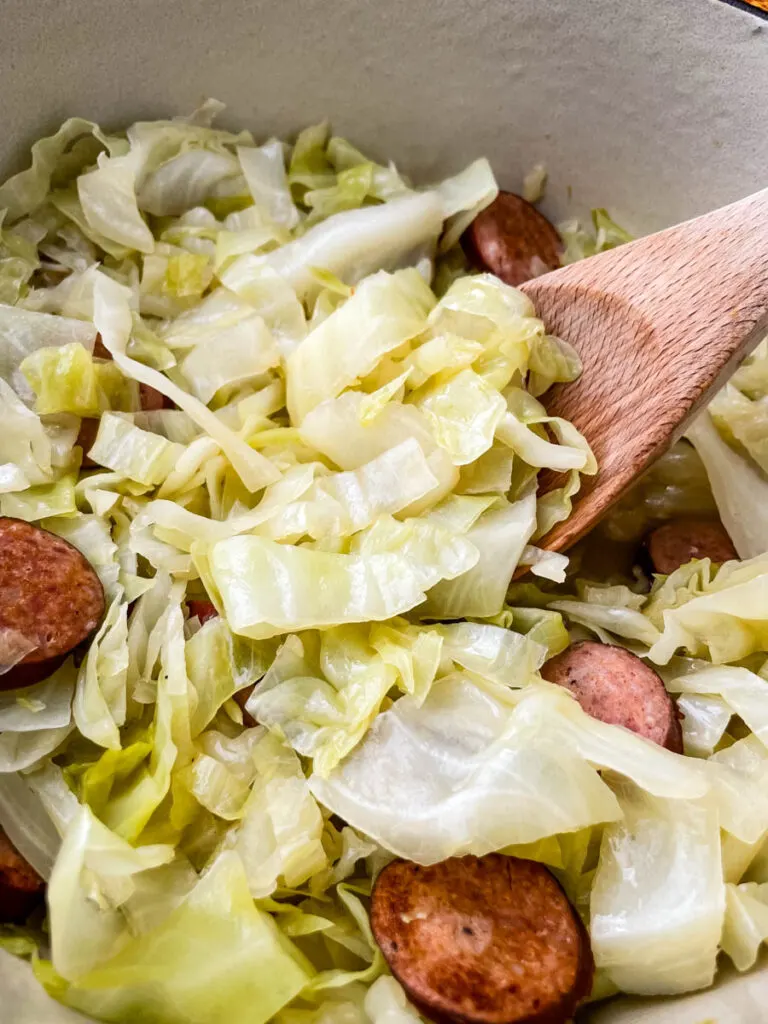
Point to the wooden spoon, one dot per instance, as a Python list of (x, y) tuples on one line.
[(659, 324)]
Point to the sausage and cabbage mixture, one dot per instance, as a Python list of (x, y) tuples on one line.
[(298, 720)]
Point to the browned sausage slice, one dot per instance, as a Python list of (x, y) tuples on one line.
[(615, 686), (241, 699), (203, 609), (21, 888), (151, 399), (49, 594), (512, 240), (86, 438), (676, 543), (482, 940), (100, 350)]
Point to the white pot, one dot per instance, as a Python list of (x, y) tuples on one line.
[(655, 109)]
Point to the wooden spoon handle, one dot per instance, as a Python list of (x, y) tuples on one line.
[(659, 323)]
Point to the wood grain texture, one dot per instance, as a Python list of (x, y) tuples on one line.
[(659, 324)]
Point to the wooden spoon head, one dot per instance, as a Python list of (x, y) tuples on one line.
[(659, 324)]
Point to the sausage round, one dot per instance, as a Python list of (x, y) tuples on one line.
[(203, 609), (21, 888), (677, 542), (241, 699), (617, 687), (49, 594), (100, 350), (512, 240), (86, 439), (482, 940), (151, 399)]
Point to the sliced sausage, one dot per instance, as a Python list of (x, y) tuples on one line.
[(151, 399), (21, 888), (49, 594), (203, 609), (100, 350), (86, 437), (512, 240), (482, 940), (617, 687), (677, 542), (241, 699)]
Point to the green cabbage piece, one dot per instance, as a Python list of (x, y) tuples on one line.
[(349, 344), (580, 242), (100, 703), (240, 355), (26, 446), (525, 770), (269, 588), (20, 751), (108, 199), (111, 862), (644, 936), (719, 617), (464, 414), (356, 243), (220, 664), (746, 922), (336, 429), (137, 454), (610, 612), (324, 710), (744, 693), (66, 379), (18, 262), (264, 171), (343, 503), (704, 722), (23, 332), (500, 536), (112, 317), (165, 974), (279, 839), (55, 159), (186, 181), (46, 705), (739, 488), (42, 501)]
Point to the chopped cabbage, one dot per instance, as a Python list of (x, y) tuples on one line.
[(23, 332), (739, 488), (215, 932), (386, 311), (269, 588), (746, 923), (658, 901), (314, 657), (493, 771)]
